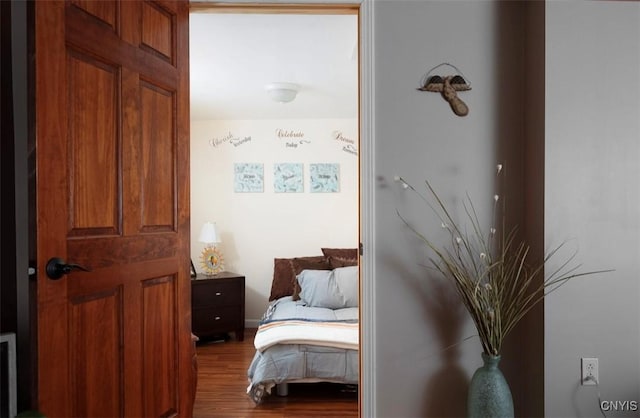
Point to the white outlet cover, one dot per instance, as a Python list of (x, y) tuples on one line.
[(589, 375)]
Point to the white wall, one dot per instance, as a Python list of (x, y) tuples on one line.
[(418, 137), (591, 157), (258, 227), (592, 196)]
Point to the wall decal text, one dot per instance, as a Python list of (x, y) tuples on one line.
[(350, 149), (289, 134), (338, 136), (229, 138), (293, 138)]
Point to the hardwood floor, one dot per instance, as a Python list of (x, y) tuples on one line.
[(222, 384)]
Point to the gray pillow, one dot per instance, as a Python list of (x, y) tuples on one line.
[(319, 289), (346, 279), (332, 289)]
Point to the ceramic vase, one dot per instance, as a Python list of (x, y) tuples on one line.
[(489, 394)]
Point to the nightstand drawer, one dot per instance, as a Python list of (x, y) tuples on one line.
[(219, 319), (216, 293)]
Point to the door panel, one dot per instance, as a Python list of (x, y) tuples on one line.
[(158, 310), (158, 155), (93, 146), (113, 195), (158, 31), (96, 335)]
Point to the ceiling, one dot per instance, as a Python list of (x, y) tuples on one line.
[(233, 57)]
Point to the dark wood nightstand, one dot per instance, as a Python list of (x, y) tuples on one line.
[(217, 305)]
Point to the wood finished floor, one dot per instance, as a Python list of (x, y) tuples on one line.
[(222, 384)]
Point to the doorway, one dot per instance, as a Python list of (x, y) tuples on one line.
[(247, 128), (235, 124)]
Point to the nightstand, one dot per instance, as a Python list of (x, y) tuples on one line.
[(217, 305)]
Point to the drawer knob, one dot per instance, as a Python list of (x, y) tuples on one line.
[(218, 293), (217, 318)]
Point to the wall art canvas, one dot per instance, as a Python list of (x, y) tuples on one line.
[(287, 178), (248, 177), (325, 178)]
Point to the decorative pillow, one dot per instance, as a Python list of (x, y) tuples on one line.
[(346, 253), (284, 276), (346, 279), (332, 289), (337, 262), (306, 263), (282, 284), (319, 289)]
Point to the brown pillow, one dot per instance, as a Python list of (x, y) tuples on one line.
[(283, 278), (337, 262), (306, 263), (345, 253)]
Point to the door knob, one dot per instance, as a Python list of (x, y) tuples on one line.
[(57, 267)]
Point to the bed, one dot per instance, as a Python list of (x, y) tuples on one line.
[(309, 332)]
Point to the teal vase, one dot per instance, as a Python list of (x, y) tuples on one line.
[(489, 394)]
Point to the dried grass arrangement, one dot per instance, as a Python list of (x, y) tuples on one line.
[(490, 267)]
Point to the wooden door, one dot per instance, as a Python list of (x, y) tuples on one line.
[(112, 144)]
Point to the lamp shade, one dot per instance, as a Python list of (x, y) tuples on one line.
[(209, 233), (282, 92)]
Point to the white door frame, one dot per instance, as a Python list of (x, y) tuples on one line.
[(367, 213), (367, 189)]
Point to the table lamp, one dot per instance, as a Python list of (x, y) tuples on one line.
[(211, 258)]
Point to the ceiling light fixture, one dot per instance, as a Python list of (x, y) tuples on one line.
[(282, 92)]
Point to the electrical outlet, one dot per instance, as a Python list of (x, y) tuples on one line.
[(589, 371)]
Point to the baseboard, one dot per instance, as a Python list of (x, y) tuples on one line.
[(251, 323)]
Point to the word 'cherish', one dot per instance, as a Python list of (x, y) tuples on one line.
[(230, 138)]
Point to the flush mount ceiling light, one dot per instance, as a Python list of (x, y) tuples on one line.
[(282, 92)]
